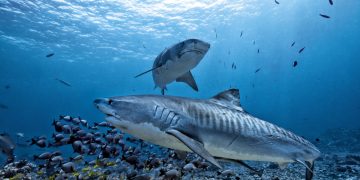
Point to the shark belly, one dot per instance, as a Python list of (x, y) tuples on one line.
[(148, 132), (230, 153), (171, 71), (242, 147)]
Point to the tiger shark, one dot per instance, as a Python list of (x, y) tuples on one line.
[(174, 63), (217, 129)]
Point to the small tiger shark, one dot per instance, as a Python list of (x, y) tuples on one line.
[(217, 129), (175, 63)]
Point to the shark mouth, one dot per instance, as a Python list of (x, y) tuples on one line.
[(193, 50), (104, 106)]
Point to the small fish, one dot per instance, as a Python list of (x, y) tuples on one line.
[(295, 63), (258, 51), (3, 106), (63, 82), (301, 50), (257, 70), (49, 55), (65, 118), (254, 42), (7, 87), (76, 158), (103, 124), (84, 122), (20, 135), (233, 66), (144, 46), (277, 2), (78, 147), (325, 16), (293, 44), (66, 129), (56, 153), (58, 137), (43, 156), (57, 159), (68, 167), (317, 140), (39, 142), (241, 34), (7, 146), (215, 33), (331, 2), (57, 125)]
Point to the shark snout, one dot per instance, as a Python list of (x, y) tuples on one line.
[(104, 105), (101, 101)]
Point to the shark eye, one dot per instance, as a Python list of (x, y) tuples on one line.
[(110, 101)]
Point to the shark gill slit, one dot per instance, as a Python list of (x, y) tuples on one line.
[(156, 106)]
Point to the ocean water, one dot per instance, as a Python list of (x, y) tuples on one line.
[(99, 46)]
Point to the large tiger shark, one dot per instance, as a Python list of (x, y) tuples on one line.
[(217, 129), (174, 63)]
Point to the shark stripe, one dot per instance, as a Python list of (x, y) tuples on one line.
[(233, 128), (170, 117), (155, 109), (238, 122)]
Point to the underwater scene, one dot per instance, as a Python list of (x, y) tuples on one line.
[(165, 89)]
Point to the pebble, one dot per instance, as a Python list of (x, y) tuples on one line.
[(228, 172), (172, 174), (189, 167)]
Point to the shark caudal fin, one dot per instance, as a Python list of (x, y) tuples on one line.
[(309, 171)]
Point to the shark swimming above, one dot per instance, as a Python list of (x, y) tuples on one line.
[(175, 63), (217, 129)]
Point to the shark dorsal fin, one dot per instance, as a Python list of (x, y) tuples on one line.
[(228, 98)]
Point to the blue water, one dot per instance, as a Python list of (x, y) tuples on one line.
[(100, 46)]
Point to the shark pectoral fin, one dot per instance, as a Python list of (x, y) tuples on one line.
[(309, 172), (283, 165), (146, 71), (188, 79), (309, 168), (195, 146), (242, 163)]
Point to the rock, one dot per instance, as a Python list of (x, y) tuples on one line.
[(140, 165), (204, 165), (180, 154), (172, 174), (350, 162), (189, 167), (142, 177), (133, 160), (131, 174), (107, 172), (341, 169), (273, 166), (197, 163), (228, 173), (156, 162)]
